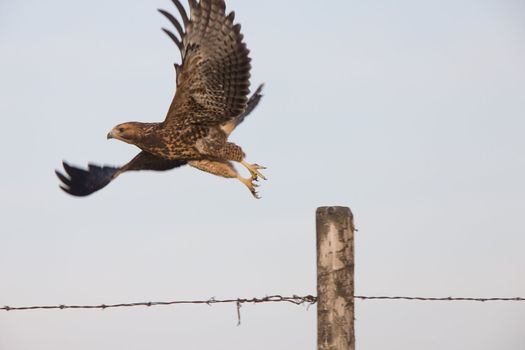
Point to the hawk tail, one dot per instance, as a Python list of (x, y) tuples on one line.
[(83, 182)]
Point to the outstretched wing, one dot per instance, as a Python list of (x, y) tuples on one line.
[(83, 182), (213, 78)]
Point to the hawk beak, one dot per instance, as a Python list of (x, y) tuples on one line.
[(110, 135)]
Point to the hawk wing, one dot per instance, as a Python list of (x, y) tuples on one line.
[(80, 183), (213, 78)]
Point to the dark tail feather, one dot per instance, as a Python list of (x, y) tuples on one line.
[(253, 101), (81, 183)]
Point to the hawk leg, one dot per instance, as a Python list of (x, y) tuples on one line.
[(230, 151), (224, 169)]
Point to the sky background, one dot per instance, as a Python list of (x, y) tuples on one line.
[(410, 112)]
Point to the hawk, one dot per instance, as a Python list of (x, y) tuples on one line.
[(211, 100)]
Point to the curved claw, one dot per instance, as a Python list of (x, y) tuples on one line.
[(248, 182)]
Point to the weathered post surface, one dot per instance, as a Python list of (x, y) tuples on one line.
[(335, 279)]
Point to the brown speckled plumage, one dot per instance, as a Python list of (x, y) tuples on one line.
[(211, 99)]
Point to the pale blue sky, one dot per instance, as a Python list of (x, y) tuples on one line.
[(410, 112)]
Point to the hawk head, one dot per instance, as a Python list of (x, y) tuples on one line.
[(131, 132)]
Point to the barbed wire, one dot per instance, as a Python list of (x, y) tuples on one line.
[(437, 299), (295, 299), (268, 299)]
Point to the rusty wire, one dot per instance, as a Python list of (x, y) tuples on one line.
[(438, 298), (295, 299)]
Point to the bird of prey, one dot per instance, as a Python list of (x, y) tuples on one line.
[(211, 100)]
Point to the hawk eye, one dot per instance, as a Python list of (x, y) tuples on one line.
[(120, 129)]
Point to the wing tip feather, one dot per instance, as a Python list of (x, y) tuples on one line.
[(173, 37)]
